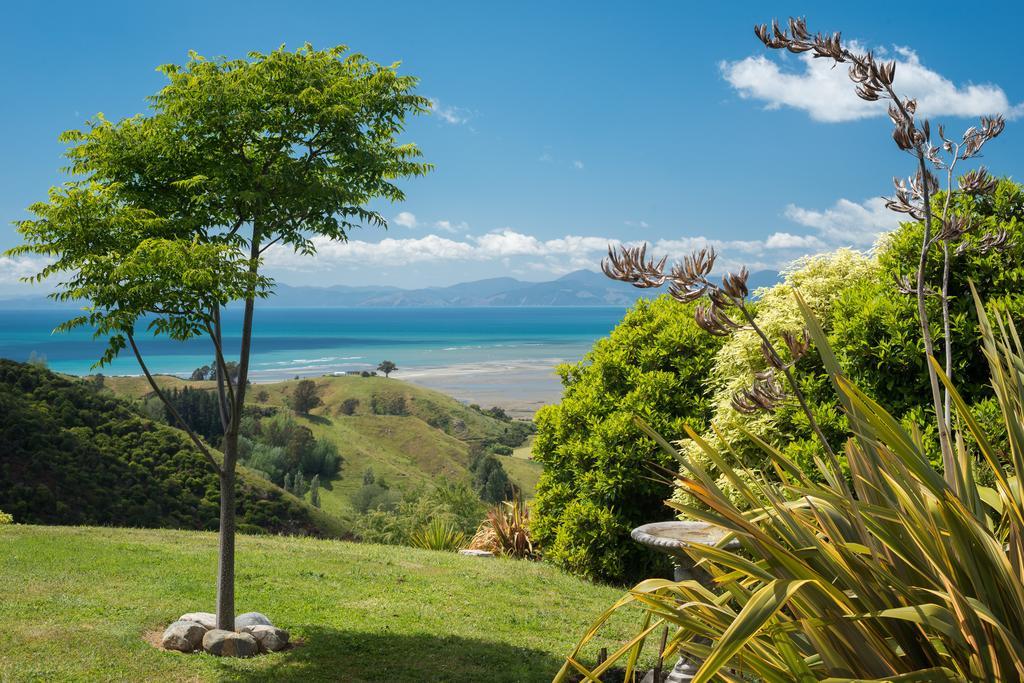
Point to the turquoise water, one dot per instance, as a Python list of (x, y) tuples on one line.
[(316, 341)]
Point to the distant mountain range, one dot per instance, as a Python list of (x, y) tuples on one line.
[(579, 288)]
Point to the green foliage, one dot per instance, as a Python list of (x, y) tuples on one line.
[(348, 406), (596, 461), (388, 403), (490, 481), (453, 505), (288, 446), (821, 280), (438, 534), (199, 409), (375, 496), (873, 330), (314, 491), (72, 455), (293, 144), (387, 367), (902, 576), (304, 397), (6, 518)]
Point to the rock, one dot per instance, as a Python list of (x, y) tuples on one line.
[(251, 619), (270, 638), (477, 553), (183, 635), (207, 619), (230, 644)]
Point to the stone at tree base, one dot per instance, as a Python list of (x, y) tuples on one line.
[(207, 619), (270, 638), (183, 635), (230, 644), (251, 619)]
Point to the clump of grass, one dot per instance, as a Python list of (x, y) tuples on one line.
[(438, 534)]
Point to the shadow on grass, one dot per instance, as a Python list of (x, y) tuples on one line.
[(333, 655), (319, 419)]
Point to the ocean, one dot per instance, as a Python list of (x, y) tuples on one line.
[(289, 342)]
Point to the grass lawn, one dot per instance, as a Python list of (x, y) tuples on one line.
[(76, 602)]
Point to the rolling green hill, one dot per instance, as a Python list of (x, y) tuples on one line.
[(77, 604), (429, 440), (72, 454)]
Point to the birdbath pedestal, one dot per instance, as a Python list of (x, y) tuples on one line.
[(672, 538)]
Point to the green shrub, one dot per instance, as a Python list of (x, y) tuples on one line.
[(596, 461), (375, 496), (386, 403), (490, 480), (454, 504), (6, 518), (501, 449), (348, 406)]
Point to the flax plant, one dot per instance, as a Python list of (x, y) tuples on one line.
[(915, 197), (901, 578)]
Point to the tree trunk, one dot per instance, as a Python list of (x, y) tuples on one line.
[(226, 563), (226, 557)]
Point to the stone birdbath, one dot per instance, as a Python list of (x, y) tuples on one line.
[(672, 538)]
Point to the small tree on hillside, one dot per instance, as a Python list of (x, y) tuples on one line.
[(314, 491), (169, 215), (305, 397), (387, 367)]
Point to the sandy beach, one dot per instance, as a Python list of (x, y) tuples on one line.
[(520, 387)]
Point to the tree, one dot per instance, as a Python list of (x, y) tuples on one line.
[(387, 367), (314, 491), (597, 483), (168, 215), (299, 485), (305, 397)]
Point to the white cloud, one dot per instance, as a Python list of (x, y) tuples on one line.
[(847, 223), (546, 158), (454, 115), (637, 224), (406, 219), (578, 165), (844, 224), (13, 268), (512, 249), (827, 94), (785, 240), (448, 226)]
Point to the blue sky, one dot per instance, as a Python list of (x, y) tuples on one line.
[(557, 128)]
